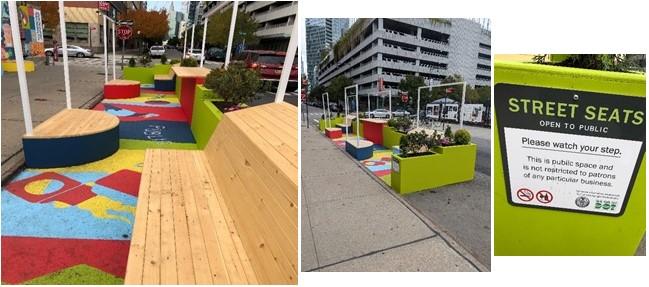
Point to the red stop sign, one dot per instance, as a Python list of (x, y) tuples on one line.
[(124, 32)]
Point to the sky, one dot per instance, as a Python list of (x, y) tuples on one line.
[(158, 5), (302, 43)]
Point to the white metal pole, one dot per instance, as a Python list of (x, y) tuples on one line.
[(114, 77), (20, 65), (358, 134), (462, 106), (368, 103), (288, 65), (191, 45), (390, 101), (105, 54), (64, 44), (233, 21), (324, 111), (185, 45), (345, 119), (418, 92), (203, 46), (328, 109)]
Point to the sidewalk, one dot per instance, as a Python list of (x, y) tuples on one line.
[(350, 222), (47, 97)]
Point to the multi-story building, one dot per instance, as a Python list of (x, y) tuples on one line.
[(321, 34), (389, 49), (275, 19)]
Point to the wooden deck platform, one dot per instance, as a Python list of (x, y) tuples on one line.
[(239, 206), (74, 123)]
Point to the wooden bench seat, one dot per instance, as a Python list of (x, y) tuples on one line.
[(230, 210)]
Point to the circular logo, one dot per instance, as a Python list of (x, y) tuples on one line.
[(525, 194), (582, 201), (544, 196)]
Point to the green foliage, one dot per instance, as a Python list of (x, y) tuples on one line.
[(410, 84), (189, 62), (236, 84), (392, 122), (440, 21), (448, 133), (417, 143), (173, 41), (145, 60), (484, 95), (316, 93), (462, 137), (163, 59), (350, 39), (174, 61), (336, 88), (601, 62), (131, 62), (218, 29), (401, 124)]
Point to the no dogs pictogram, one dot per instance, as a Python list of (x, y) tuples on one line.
[(525, 194), (544, 196)]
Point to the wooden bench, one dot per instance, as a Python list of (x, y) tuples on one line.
[(165, 82), (224, 215), (72, 137), (121, 89)]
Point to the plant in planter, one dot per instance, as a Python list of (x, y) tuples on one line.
[(163, 59), (448, 133), (417, 143), (145, 60), (131, 62), (462, 137), (174, 61), (236, 85), (188, 62)]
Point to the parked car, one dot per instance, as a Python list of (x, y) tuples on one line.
[(215, 54), (379, 113), (195, 53), (400, 113), (269, 64), (156, 51), (73, 50)]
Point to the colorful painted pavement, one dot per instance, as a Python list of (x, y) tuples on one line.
[(73, 225), (380, 162)]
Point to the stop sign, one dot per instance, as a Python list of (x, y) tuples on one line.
[(124, 32)]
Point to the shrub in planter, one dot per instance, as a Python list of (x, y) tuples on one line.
[(417, 143), (462, 137), (163, 59), (448, 133), (145, 60), (131, 62), (236, 85), (392, 122), (188, 62), (174, 61)]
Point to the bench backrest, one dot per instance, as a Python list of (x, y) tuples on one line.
[(253, 155)]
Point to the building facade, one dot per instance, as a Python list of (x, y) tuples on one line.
[(275, 19), (390, 49), (321, 35)]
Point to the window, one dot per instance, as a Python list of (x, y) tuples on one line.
[(76, 31)]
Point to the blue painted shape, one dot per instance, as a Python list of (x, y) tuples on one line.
[(165, 85), (163, 131), (69, 151), (359, 153)]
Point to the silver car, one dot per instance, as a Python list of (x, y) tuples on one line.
[(73, 50), (195, 53), (156, 51), (379, 113)]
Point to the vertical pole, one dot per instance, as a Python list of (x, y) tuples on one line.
[(105, 53), (122, 64), (358, 134), (114, 50), (185, 45), (233, 21), (203, 46), (328, 109), (324, 111), (288, 65), (191, 49), (390, 101), (368, 104), (418, 92), (462, 106), (64, 43), (20, 65), (345, 119)]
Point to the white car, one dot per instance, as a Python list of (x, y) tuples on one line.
[(400, 113), (73, 50), (156, 51), (379, 113), (196, 54)]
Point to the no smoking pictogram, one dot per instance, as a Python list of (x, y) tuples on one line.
[(525, 194), (544, 196)]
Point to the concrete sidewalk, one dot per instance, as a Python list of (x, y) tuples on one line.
[(350, 222)]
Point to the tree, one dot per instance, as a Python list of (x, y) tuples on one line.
[(484, 95), (336, 88), (218, 29), (316, 93), (49, 14), (410, 84), (153, 25), (173, 41)]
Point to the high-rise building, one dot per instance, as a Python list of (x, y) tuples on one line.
[(275, 19), (389, 49), (321, 35)]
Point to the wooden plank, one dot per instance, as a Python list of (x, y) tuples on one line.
[(74, 122), (202, 271), (168, 269), (120, 82), (190, 72), (185, 267), (135, 263), (151, 272)]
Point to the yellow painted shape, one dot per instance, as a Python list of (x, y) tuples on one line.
[(122, 159), (11, 67), (38, 187), (60, 204), (99, 206)]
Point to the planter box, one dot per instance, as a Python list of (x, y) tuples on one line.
[(448, 166), (333, 133), (361, 151), (526, 231), (206, 116), (323, 123), (145, 74), (391, 137)]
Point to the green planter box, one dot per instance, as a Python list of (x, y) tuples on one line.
[(206, 116), (528, 231), (323, 123), (145, 74), (391, 137), (448, 165)]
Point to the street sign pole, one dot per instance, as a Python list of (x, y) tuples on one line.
[(122, 64)]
